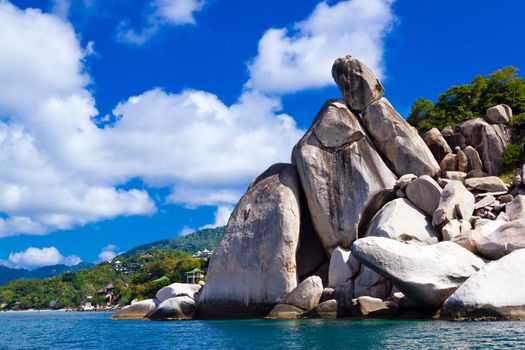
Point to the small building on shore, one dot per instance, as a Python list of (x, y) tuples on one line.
[(195, 275)]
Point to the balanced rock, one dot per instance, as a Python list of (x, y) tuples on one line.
[(486, 184), (426, 273), (401, 220), (493, 293), (456, 203), (499, 114), (138, 310), (179, 289), (344, 184), (178, 308), (398, 141), (342, 267), (357, 82), (424, 193), (254, 266), (436, 144), (516, 208), (504, 240)]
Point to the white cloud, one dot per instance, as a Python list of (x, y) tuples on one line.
[(37, 257), (108, 253), (297, 59), (222, 215), (186, 230), (161, 13)]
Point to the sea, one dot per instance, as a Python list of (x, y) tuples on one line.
[(77, 330)]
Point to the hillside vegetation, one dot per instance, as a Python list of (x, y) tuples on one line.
[(7, 274), (137, 274)]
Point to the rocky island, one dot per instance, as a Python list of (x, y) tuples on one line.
[(370, 219)]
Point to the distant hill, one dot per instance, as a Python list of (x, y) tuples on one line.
[(203, 239), (7, 274)]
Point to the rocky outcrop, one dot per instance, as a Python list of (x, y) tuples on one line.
[(357, 82), (426, 273), (345, 182), (493, 293), (398, 141), (436, 144), (138, 310), (254, 266)]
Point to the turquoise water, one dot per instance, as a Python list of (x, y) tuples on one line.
[(59, 330)]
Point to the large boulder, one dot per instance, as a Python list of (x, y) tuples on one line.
[(179, 289), (345, 182), (254, 266), (342, 267), (504, 240), (436, 144), (499, 114), (494, 139), (425, 194), (425, 273), (472, 130), (401, 220), (516, 208), (178, 308), (357, 82), (398, 141), (473, 159), (456, 203), (493, 293), (303, 298), (486, 184), (138, 310)]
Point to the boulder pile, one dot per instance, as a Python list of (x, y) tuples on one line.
[(372, 220)]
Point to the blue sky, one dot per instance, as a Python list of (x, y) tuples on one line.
[(125, 122)]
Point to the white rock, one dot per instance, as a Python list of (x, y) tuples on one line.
[(516, 208), (455, 228), (487, 184), (506, 239), (137, 310), (307, 294), (456, 203), (499, 114), (178, 308), (179, 289), (342, 267)]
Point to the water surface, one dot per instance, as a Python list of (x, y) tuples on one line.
[(72, 330)]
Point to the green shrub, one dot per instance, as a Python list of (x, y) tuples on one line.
[(514, 156)]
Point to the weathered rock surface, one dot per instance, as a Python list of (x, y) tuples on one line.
[(436, 144), (494, 139), (425, 194), (449, 162), (499, 114), (178, 308), (404, 180), (487, 184), (456, 203), (504, 240), (493, 293), (425, 273), (472, 130), (139, 310), (516, 208), (401, 220), (344, 185), (342, 267), (462, 161), (307, 294), (254, 266), (179, 289), (473, 159), (357, 82), (398, 141)]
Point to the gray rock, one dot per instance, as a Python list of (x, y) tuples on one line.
[(357, 82), (456, 203), (344, 295), (495, 138), (328, 293), (138, 310), (285, 312), (506, 198), (504, 240), (472, 130), (449, 162), (401, 220), (436, 144), (486, 184), (254, 266), (345, 185), (516, 208), (370, 283), (426, 273), (486, 227), (404, 180), (485, 202), (473, 159), (307, 294), (178, 308), (398, 141), (179, 289), (499, 114), (326, 309), (475, 173), (493, 293), (455, 175), (523, 175), (424, 193), (342, 267), (454, 139)]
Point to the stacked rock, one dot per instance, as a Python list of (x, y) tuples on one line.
[(371, 219)]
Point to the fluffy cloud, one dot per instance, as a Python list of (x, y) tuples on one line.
[(161, 13), (37, 257), (108, 253), (292, 60), (222, 215)]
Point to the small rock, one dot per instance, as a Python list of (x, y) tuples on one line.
[(505, 198), (373, 307), (307, 294), (285, 312), (138, 310), (473, 160), (485, 202), (437, 144), (456, 203), (462, 161), (178, 308), (455, 228), (499, 114), (424, 193), (326, 309), (486, 184), (455, 175)]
